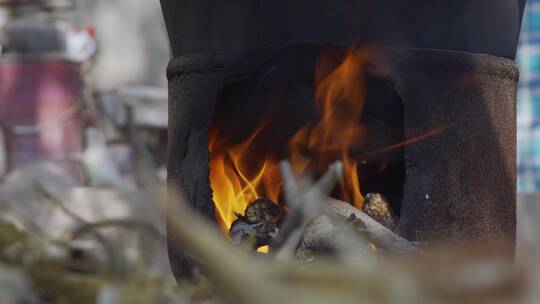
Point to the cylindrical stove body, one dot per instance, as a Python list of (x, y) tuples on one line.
[(460, 182), (209, 26)]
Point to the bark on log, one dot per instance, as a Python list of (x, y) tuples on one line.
[(316, 235), (377, 233)]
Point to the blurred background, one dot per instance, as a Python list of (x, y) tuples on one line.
[(528, 129), (83, 118), (108, 61), (133, 46)]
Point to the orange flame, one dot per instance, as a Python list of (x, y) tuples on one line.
[(234, 187), (339, 99)]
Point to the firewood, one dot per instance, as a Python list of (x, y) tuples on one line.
[(316, 237), (252, 235), (322, 232), (243, 234), (264, 210), (378, 208), (305, 205), (258, 226), (375, 231)]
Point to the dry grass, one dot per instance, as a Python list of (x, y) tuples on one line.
[(113, 260)]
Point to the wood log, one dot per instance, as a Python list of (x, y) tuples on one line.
[(304, 227), (376, 232), (316, 236), (318, 231), (303, 208), (378, 208)]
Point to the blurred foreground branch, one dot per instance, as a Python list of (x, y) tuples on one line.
[(52, 268), (435, 278)]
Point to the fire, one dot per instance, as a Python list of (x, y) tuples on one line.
[(339, 99), (233, 185)]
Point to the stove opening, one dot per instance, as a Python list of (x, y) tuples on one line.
[(312, 105)]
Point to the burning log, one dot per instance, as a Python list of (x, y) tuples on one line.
[(306, 202), (314, 220), (264, 210), (305, 228), (258, 226), (321, 232)]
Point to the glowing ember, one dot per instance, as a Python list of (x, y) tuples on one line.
[(264, 249), (339, 99)]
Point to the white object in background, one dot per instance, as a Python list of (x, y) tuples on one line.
[(99, 164), (81, 45)]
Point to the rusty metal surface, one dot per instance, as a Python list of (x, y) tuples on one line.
[(460, 183)]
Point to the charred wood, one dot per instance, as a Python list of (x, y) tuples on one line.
[(377, 233), (258, 226), (377, 207)]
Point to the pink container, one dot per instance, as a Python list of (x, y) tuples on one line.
[(40, 112)]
